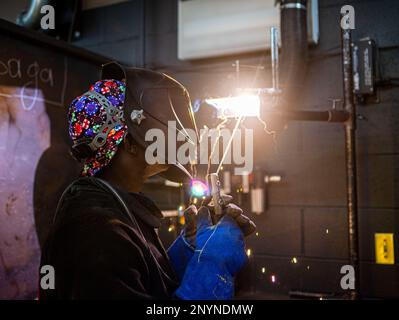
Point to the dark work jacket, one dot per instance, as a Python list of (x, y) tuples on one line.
[(98, 252)]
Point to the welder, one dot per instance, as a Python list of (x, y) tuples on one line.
[(103, 243)]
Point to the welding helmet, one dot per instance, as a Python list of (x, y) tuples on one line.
[(151, 100)]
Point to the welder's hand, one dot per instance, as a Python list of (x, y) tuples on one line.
[(218, 257), (246, 225), (209, 203), (182, 249), (190, 224)]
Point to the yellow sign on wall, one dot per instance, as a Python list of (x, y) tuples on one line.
[(384, 248)]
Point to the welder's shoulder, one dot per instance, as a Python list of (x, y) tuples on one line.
[(96, 238), (96, 253), (86, 203), (100, 223), (90, 215)]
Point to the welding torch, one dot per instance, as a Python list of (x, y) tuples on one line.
[(211, 191)]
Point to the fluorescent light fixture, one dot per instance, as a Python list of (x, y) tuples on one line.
[(231, 107), (170, 213), (173, 184), (272, 179)]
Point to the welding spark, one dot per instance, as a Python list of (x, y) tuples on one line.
[(272, 133)]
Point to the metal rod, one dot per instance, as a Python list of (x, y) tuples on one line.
[(323, 116), (350, 148), (274, 57), (237, 65), (334, 116), (229, 144)]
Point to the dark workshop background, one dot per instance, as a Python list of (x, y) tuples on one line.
[(306, 216)]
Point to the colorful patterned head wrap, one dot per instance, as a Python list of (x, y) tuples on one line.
[(98, 123)]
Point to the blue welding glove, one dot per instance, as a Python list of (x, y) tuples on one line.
[(219, 256), (182, 249)]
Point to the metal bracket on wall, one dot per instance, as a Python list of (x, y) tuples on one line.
[(364, 69)]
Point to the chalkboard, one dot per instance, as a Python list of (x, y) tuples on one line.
[(39, 77)]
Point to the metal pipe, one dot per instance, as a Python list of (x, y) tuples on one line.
[(333, 116), (274, 57), (294, 50), (350, 148), (336, 116), (30, 17), (237, 65)]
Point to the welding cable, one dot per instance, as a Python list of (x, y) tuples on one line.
[(185, 134), (230, 141), (162, 122), (192, 116), (218, 127), (188, 138), (193, 167)]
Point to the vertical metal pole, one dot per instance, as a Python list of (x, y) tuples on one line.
[(274, 57), (350, 147), (237, 65), (143, 34)]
